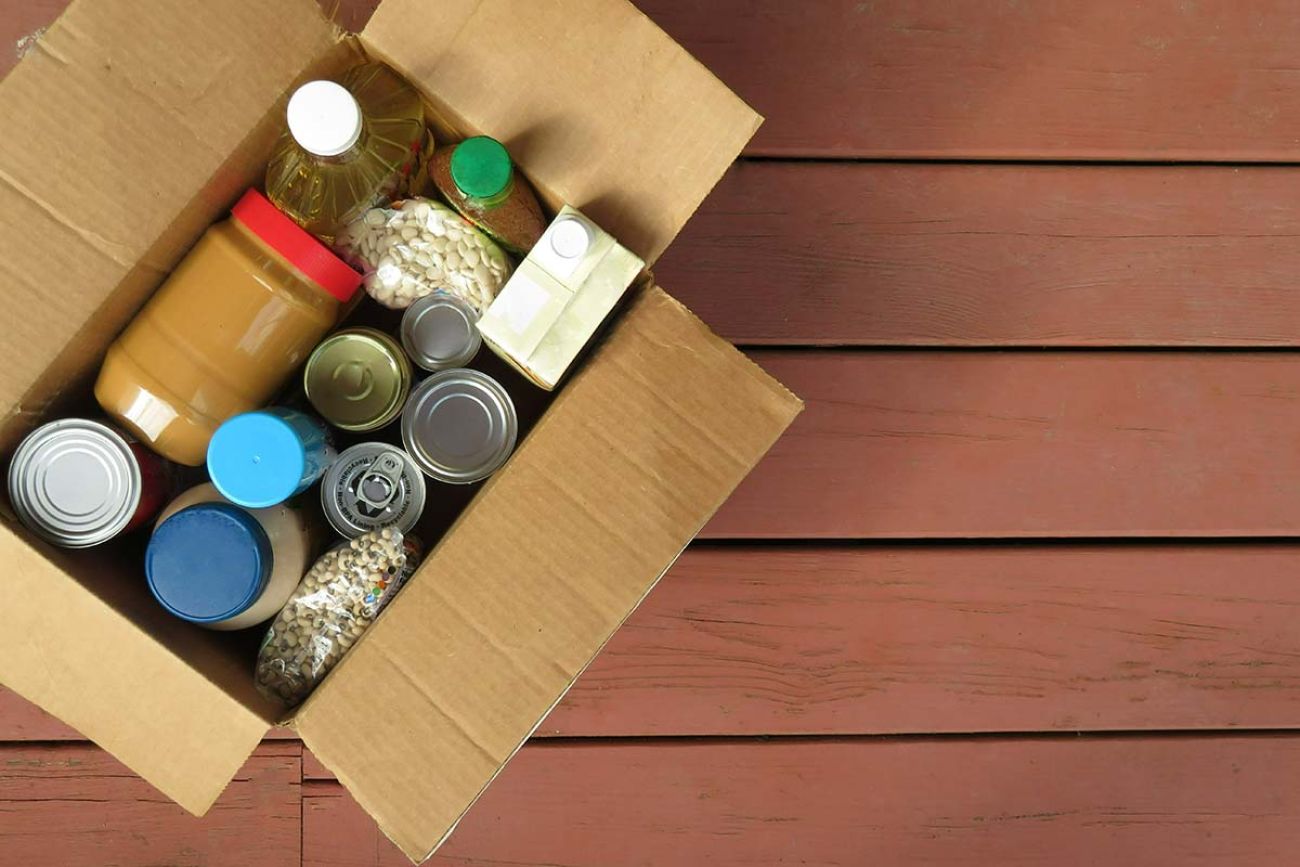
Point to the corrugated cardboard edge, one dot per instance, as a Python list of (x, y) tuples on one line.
[(97, 652), (693, 328), (113, 241), (76, 655), (483, 69), (436, 846), (797, 407)]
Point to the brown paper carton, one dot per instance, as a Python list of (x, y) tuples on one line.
[(125, 137)]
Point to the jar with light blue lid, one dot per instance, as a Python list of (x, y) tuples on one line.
[(259, 459)]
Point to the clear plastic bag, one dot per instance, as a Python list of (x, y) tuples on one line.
[(336, 601), (417, 246)]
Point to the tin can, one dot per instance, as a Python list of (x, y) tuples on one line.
[(370, 486), (439, 332), (78, 483), (260, 459), (358, 379), (460, 426)]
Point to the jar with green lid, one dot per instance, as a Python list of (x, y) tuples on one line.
[(478, 178), (358, 379)]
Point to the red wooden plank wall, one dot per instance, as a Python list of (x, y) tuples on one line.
[(1112, 80), (1019, 586), (925, 254)]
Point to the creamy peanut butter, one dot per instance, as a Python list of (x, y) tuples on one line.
[(221, 336)]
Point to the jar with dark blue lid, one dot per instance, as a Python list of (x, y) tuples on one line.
[(210, 564)]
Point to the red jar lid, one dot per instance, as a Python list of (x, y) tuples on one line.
[(296, 244)]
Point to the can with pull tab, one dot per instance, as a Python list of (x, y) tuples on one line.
[(372, 485)]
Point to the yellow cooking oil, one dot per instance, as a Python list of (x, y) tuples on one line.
[(349, 145)]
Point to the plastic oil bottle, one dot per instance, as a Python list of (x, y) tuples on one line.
[(349, 145)]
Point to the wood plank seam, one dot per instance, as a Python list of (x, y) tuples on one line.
[(951, 256)]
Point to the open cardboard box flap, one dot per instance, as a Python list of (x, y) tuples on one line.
[(605, 112), (635, 454), (80, 656), (602, 108), (125, 134)]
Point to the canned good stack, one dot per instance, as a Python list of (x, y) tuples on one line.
[(206, 376)]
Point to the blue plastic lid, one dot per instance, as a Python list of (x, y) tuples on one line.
[(209, 562), (256, 460)]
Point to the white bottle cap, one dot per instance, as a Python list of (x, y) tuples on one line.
[(324, 118), (570, 238)]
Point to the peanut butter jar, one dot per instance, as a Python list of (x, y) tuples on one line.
[(221, 336)]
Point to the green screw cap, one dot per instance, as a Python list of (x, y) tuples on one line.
[(480, 167)]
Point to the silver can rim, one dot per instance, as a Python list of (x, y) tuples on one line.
[(25, 504), (334, 475), (486, 385), (421, 306)]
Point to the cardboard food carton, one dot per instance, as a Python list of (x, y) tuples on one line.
[(126, 135)]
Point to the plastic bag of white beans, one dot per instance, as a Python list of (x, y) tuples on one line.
[(336, 601), (414, 247)]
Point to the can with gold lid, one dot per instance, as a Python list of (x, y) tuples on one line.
[(358, 379)]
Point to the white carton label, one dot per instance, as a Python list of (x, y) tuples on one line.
[(522, 303)]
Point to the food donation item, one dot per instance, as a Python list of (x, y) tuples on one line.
[(259, 459), (292, 536), (77, 483), (419, 246), (223, 333), (479, 179), (223, 567), (358, 379), (460, 426), (348, 146), (558, 297), (438, 332), (371, 486), (331, 609)]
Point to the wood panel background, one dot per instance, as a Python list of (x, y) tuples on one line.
[(1127, 801), (1020, 585), (953, 79), (924, 254)]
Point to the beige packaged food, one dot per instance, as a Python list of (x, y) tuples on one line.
[(558, 297), (336, 601), (417, 247)]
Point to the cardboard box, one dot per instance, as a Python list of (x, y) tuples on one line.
[(126, 134)]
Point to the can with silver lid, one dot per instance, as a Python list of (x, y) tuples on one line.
[(371, 486), (460, 426), (439, 332), (358, 379), (78, 483)]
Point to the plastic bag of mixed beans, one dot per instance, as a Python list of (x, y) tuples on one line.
[(335, 603), (414, 247)]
